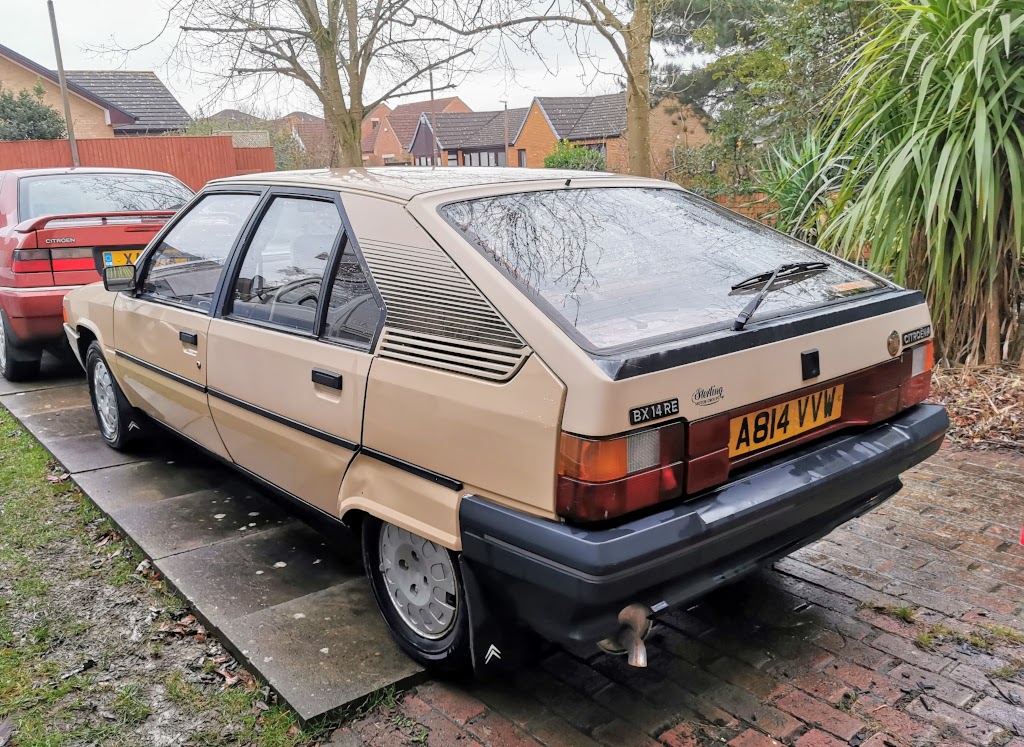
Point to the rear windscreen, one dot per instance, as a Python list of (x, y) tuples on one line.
[(68, 194), (621, 265)]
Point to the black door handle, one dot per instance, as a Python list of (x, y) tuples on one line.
[(326, 378), (190, 338)]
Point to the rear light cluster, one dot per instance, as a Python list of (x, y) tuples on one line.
[(605, 478), (53, 260)]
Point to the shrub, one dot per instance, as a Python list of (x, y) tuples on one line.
[(577, 157)]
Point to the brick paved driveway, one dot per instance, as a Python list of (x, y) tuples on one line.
[(812, 654)]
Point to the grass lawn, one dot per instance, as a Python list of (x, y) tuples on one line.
[(93, 648)]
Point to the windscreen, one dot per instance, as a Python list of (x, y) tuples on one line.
[(68, 194), (623, 265)]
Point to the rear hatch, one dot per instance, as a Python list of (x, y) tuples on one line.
[(75, 248), (82, 221), (650, 283)]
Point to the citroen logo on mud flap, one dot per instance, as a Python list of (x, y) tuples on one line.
[(492, 653)]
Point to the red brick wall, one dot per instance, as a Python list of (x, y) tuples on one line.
[(671, 124), (536, 137)]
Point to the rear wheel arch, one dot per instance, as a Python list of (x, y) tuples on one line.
[(372, 488)]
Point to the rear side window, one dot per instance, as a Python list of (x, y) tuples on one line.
[(68, 194), (352, 311), (186, 267), (284, 265), (618, 266)]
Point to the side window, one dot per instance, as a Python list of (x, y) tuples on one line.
[(186, 267), (284, 264), (352, 312)]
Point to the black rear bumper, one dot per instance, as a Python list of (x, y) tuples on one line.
[(568, 583)]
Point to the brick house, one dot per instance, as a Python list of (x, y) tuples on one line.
[(387, 132), (466, 138), (599, 122), (92, 115), (104, 103)]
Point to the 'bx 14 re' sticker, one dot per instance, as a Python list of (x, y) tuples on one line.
[(658, 410)]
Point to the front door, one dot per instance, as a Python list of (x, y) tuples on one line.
[(160, 334), (289, 354)]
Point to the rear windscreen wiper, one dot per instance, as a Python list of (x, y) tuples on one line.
[(769, 279)]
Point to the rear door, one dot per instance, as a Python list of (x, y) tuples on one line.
[(160, 335), (289, 354)]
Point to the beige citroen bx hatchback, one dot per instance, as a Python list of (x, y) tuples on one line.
[(554, 403)]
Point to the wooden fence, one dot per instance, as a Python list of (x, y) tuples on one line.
[(751, 205), (194, 160)]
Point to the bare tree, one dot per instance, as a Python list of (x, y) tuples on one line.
[(629, 27), (350, 54)]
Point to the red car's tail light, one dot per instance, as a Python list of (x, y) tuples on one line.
[(601, 478), (31, 260), (68, 260)]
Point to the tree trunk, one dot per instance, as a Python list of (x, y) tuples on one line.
[(638, 88), (347, 140), (993, 322)]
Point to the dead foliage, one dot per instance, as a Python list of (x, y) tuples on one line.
[(985, 405)]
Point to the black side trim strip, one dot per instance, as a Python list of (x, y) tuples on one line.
[(302, 427), (426, 474), (628, 365), (162, 371)]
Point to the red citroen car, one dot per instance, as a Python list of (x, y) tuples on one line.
[(58, 229)]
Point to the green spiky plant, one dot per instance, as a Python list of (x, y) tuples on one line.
[(932, 107), (802, 178)]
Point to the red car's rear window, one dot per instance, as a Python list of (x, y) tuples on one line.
[(68, 194)]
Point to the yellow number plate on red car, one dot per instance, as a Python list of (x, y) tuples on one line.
[(777, 423), (120, 257)]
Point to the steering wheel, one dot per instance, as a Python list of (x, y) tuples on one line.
[(294, 284)]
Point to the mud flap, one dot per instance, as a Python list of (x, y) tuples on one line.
[(498, 644)]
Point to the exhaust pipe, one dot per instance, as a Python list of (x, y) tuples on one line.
[(634, 627)]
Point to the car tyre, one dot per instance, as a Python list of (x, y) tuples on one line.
[(118, 422), (16, 364), (418, 588)]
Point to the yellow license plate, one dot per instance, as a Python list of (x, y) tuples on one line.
[(120, 257), (756, 430)]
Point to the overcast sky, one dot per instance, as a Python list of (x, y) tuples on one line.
[(86, 25)]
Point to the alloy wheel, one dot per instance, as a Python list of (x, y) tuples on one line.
[(420, 581), (3, 347)]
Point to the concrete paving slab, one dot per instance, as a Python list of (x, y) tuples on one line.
[(188, 522), (88, 452), (245, 562), (52, 373), (241, 576), (71, 421), (23, 404), (324, 648), (181, 470)]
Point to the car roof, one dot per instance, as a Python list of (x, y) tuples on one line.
[(79, 170), (406, 182)]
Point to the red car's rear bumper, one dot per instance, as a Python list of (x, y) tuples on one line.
[(35, 314)]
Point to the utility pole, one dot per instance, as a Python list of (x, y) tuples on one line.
[(63, 87), (505, 145), (435, 153)]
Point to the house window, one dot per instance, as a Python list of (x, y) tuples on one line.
[(522, 158), (453, 159), (374, 123)]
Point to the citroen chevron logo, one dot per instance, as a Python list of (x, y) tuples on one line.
[(492, 653)]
